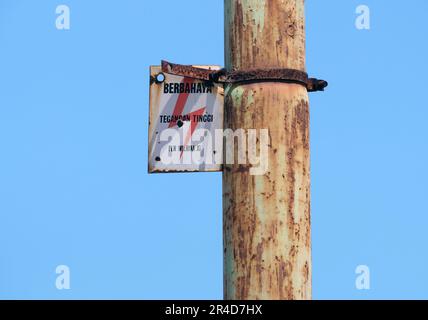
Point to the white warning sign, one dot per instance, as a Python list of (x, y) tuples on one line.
[(184, 116)]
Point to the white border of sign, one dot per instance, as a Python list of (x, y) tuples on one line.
[(181, 110)]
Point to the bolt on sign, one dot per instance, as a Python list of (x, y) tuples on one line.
[(185, 112)]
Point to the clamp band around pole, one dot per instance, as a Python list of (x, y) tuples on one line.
[(258, 75)]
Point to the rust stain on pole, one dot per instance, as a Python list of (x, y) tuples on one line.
[(267, 246)]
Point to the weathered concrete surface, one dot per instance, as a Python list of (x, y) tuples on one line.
[(267, 249), (264, 34)]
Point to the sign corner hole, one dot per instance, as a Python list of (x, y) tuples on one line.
[(160, 77)]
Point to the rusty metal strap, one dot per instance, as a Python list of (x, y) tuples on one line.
[(257, 75)]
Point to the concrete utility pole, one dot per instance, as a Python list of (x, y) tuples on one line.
[(267, 246)]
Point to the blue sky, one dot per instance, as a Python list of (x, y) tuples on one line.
[(74, 187)]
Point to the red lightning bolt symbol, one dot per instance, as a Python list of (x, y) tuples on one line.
[(178, 110)]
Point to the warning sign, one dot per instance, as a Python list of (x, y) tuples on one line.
[(184, 116)]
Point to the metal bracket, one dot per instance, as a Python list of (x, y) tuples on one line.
[(257, 75)]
